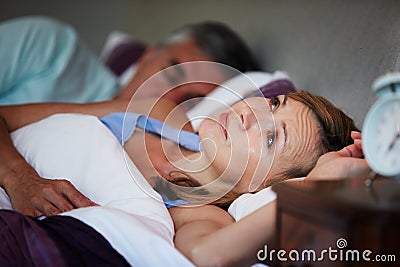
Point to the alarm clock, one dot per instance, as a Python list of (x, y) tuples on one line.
[(381, 129)]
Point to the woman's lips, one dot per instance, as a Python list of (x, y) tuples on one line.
[(223, 120)]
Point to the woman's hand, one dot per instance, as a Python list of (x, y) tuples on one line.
[(35, 196), (345, 163)]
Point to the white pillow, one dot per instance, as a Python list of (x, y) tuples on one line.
[(79, 147), (132, 215), (250, 202)]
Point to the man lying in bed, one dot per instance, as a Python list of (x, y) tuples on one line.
[(307, 126), (44, 60)]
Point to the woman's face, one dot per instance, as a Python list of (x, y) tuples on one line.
[(256, 137)]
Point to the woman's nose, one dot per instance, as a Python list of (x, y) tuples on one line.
[(247, 117)]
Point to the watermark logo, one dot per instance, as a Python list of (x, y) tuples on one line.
[(341, 243), (338, 253)]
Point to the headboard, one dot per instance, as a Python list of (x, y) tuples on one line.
[(333, 48)]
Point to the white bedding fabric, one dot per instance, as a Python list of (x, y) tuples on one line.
[(82, 149), (132, 216), (247, 203)]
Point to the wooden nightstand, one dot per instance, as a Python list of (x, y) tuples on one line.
[(344, 215)]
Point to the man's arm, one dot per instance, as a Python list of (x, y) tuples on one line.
[(29, 193), (18, 116)]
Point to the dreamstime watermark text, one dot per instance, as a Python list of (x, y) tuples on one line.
[(338, 253)]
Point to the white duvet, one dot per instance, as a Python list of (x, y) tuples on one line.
[(132, 216)]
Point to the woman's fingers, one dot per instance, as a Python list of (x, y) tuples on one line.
[(357, 138), (354, 151), (355, 135)]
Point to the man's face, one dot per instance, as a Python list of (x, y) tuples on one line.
[(165, 83)]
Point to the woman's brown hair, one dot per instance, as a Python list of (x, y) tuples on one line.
[(190, 190), (334, 128), (335, 125)]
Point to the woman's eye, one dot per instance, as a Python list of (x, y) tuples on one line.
[(274, 103), (270, 139)]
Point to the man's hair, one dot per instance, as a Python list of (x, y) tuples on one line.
[(217, 41)]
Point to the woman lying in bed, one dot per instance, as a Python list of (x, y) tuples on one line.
[(306, 127)]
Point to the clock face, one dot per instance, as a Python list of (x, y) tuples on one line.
[(381, 136)]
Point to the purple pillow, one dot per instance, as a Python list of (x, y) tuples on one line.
[(124, 55), (275, 88), (278, 87)]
